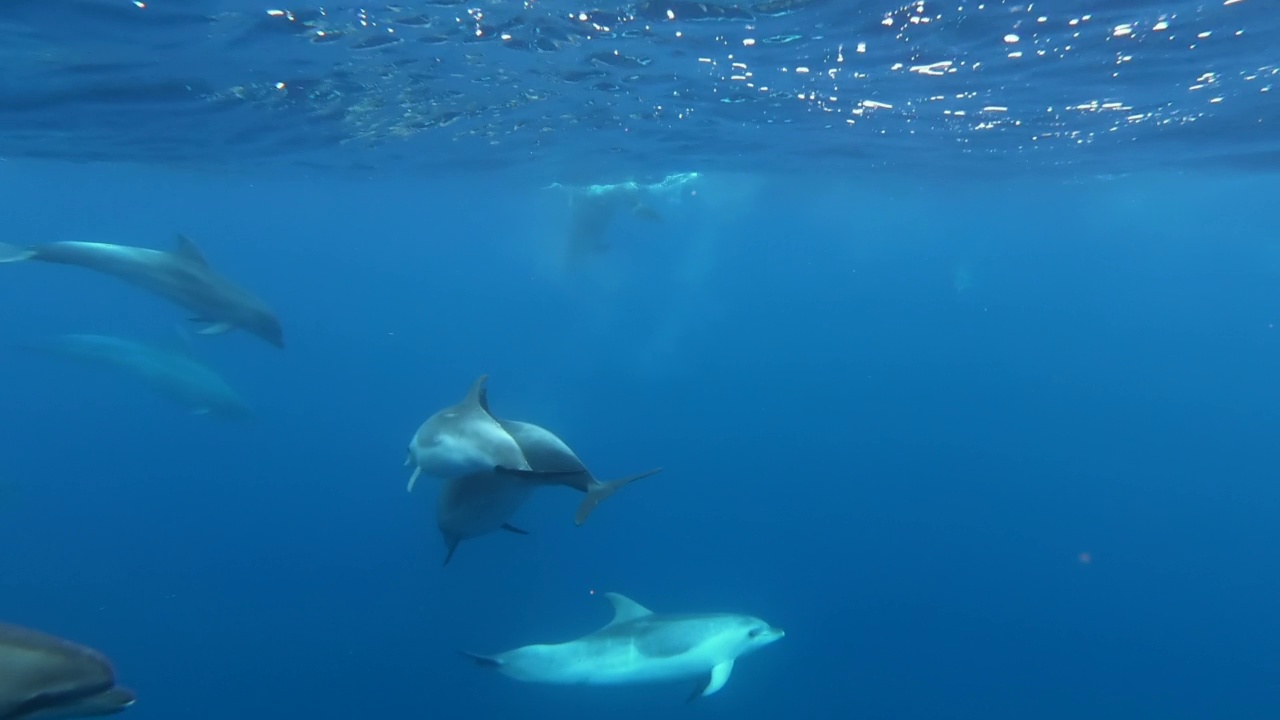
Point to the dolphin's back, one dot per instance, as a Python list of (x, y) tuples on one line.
[(121, 260)]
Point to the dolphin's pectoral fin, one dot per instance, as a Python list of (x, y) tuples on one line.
[(217, 328), (512, 528), (716, 679), (453, 545), (414, 478), (13, 253), (598, 492), (483, 660), (189, 250)]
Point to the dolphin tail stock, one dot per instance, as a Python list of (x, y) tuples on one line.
[(483, 661), (535, 475), (13, 253), (598, 492)]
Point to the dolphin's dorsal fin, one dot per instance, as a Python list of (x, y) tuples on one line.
[(625, 609), (188, 249), (479, 395)]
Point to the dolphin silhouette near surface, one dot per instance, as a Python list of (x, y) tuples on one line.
[(43, 677), (183, 276)]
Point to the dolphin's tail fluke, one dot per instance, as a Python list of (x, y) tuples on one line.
[(13, 253), (483, 660), (599, 491)]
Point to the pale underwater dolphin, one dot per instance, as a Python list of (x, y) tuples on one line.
[(182, 276), (172, 373), (43, 677), (593, 207), (464, 439), (478, 504), (638, 646)]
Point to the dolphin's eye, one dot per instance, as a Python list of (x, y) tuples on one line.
[(754, 632)]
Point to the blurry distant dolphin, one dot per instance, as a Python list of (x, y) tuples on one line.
[(592, 208), (638, 646), (182, 276), (44, 677), (548, 454), (173, 373), (464, 439), (478, 504)]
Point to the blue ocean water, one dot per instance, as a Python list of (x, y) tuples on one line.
[(958, 352)]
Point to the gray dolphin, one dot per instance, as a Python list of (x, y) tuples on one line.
[(172, 373), (554, 463), (182, 276), (478, 504), (43, 677), (463, 439), (557, 464), (638, 646)]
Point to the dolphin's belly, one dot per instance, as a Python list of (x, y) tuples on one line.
[(477, 504), (591, 662)]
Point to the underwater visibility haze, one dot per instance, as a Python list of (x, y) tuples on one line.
[(560, 359)]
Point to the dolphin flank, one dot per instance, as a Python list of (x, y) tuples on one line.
[(43, 677), (182, 276), (638, 646)]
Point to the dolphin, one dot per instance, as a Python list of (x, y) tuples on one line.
[(43, 677), (173, 373), (638, 646), (182, 276), (593, 207), (463, 439), (547, 454), (478, 504)]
